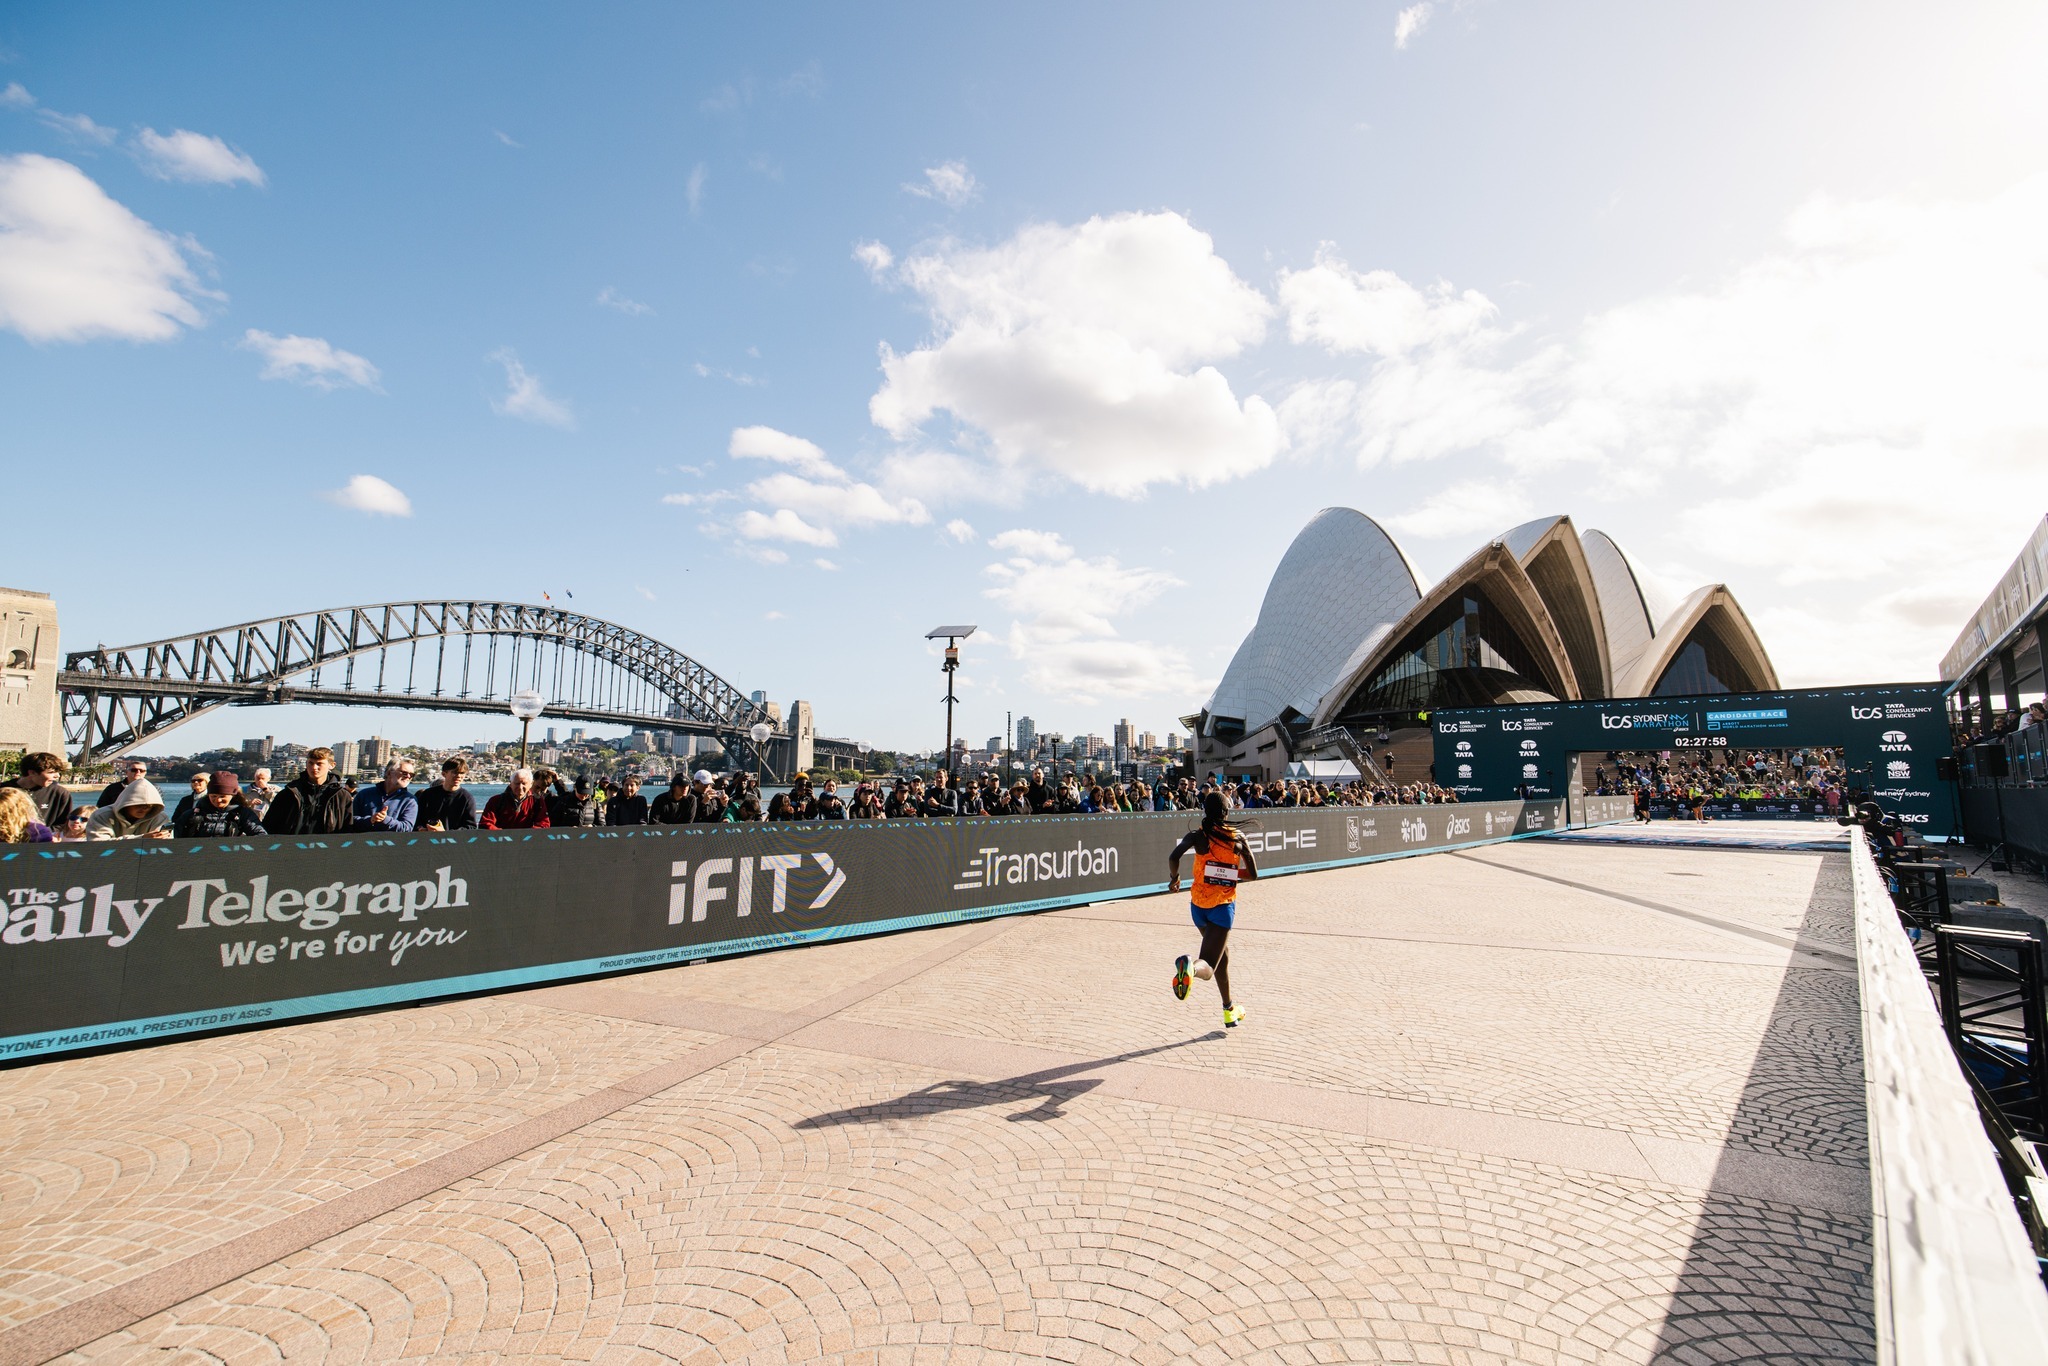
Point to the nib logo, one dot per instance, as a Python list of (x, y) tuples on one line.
[(1414, 831)]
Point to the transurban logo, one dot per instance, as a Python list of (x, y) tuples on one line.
[(1414, 831), (34, 916), (991, 867)]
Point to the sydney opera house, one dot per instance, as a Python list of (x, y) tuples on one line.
[(1350, 641)]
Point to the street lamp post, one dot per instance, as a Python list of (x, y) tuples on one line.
[(953, 635), (761, 731), (526, 705)]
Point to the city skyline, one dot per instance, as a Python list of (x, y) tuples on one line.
[(782, 337)]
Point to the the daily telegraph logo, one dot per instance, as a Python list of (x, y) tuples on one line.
[(991, 867), (37, 916), (692, 895)]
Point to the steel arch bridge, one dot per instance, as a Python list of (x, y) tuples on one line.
[(444, 656)]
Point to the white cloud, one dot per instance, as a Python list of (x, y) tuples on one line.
[(694, 189), (1467, 508), (1410, 22), (79, 127), (1377, 312), (195, 157), (507, 138), (766, 443), (645, 592), (368, 493), (836, 504), (771, 616), (807, 80), (739, 377), (960, 531), (524, 397), (310, 361), (1787, 418), (74, 264), (875, 257), (783, 525), (765, 554), (15, 97), (826, 565), (611, 298), (1064, 627), (1081, 352), (950, 181)]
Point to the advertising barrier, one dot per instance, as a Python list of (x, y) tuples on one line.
[(113, 942), (1890, 736)]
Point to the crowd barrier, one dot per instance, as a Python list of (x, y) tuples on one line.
[(119, 942)]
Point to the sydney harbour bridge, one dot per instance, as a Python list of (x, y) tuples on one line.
[(441, 656)]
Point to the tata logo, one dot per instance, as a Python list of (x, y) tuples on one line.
[(1464, 770), (1895, 737), (1464, 746), (1528, 745), (1896, 749), (1898, 768), (1414, 831), (1528, 770), (1455, 826)]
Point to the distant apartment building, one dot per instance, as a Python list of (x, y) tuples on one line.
[(375, 752), (260, 750), (1027, 735), (348, 757)]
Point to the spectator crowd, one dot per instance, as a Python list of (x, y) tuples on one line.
[(38, 807), (1691, 779)]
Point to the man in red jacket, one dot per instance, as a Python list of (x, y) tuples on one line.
[(517, 807)]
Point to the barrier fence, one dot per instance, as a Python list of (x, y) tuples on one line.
[(110, 943)]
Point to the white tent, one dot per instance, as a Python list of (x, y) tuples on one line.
[(1323, 770)]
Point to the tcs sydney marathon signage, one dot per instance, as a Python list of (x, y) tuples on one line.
[(1890, 738), (106, 943)]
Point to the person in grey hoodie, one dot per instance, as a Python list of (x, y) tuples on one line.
[(138, 813)]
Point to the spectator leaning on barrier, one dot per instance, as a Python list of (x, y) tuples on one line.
[(518, 807), (830, 807), (132, 770), (138, 813), (186, 802), (221, 813), (448, 805), (314, 803), (40, 772), (677, 806), (629, 807), (576, 809), (258, 791), (388, 805), (18, 823), (74, 825)]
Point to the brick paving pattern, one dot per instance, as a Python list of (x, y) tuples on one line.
[(1475, 1116)]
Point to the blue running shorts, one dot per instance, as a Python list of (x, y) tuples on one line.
[(1217, 917)]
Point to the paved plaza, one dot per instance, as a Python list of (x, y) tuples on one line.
[(1547, 1101)]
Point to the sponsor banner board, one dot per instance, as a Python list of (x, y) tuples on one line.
[(1890, 737), (133, 940)]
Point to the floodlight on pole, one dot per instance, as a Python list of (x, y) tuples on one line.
[(526, 705), (760, 733), (952, 635)]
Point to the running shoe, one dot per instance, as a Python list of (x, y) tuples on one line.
[(1180, 978), (1232, 1017)]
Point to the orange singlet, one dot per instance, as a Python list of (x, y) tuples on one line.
[(1216, 872)]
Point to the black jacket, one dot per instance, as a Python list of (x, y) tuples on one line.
[(205, 821), (626, 810), (566, 810), (303, 809), (450, 810), (52, 802), (673, 808)]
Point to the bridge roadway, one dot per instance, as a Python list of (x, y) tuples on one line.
[(1550, 1101)]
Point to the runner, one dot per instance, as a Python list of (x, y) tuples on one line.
[(1222, 859)]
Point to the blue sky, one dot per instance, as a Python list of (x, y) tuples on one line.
[(785, 336)]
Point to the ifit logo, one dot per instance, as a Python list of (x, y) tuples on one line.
[(691, 897)]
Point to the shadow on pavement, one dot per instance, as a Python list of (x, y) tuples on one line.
[(1050, 1085), (1774, 1281)]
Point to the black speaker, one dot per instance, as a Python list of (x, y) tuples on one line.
[(1989, 761), (1945, 768)]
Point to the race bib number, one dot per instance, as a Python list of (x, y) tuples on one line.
[(1220, 874)]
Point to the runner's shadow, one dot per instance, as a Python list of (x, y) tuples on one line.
[(1050, 1086)]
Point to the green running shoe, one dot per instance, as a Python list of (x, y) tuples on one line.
[(1232, 1017), (1180, 978)]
